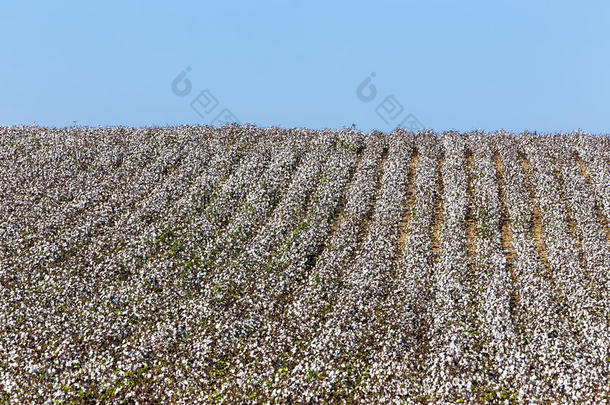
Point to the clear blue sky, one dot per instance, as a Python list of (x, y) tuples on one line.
[(453, 65)]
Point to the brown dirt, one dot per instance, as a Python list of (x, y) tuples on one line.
[(408, 205), (471, 218), (439, 212), (506, 238), (537, 228), (506, 234)]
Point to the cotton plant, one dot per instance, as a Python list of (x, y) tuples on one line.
[(244, 264)]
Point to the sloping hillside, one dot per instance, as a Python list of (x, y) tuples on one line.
[(194, 264)]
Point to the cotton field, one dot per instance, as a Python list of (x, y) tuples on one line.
[(250, 265)]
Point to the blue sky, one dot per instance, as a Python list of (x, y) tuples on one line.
[(515, 65)]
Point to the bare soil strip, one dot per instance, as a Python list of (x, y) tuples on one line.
[(506, 237), (408, 206), (505, 232), (537, 227), (439, 212), (600, 215), (471, 218)]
